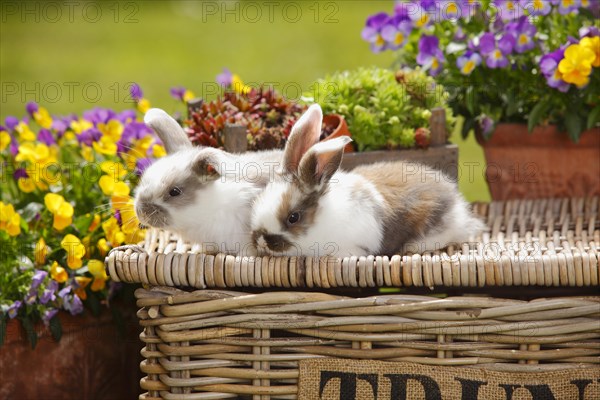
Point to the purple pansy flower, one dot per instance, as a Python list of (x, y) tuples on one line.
[(486, 124), (468, 62), (225, 78), (14, 309), (20, 173), (118, 217), (506, 44), (396, 31), (49, 293), (59, 126), (430, 56), (142, 164), (469, 7), (508, 10), (45, 136), (136, 92), (589, 31), (48, 315), (38, 278), (99, 115), (448, 9), (536, 7), (126, 116), (179, 91), (568, 6), (32, 107), (71, 302), (89, 136), (549, 67), (523, 31), (11, 122), (372, 31)]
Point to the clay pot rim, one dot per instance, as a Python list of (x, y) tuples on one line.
[(517, 135)]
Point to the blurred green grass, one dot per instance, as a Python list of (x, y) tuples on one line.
[(70, 60)]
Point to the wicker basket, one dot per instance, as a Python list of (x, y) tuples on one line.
[(533, 281)]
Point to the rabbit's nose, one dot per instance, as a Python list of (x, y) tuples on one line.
[(261, 243)]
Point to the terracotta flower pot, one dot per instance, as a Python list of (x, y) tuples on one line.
[(92, 360), (336, 124), (545, 163)]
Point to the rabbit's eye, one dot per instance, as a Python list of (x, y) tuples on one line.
[(175, 192), (293, 218)]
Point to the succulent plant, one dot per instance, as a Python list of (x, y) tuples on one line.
[(266, 114)]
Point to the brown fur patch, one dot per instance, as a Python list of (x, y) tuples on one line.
[(416, 202), (296, 200)]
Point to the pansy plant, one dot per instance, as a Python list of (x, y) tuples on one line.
[(533, 61)]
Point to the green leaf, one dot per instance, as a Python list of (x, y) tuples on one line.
[(83, 222), (3, 323), (467, 127), (29, 331), (56, 328), (593, 117), (536, 114), (574, 126)]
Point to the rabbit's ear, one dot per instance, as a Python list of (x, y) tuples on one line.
[(322, 161), (168, 130), (305, 133)]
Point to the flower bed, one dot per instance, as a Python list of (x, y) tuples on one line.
[(65, 203)]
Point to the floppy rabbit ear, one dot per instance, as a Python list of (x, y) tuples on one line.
[(305, 133), (168, 130), (322, 161)]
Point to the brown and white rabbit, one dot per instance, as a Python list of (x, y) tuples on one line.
[(203, 194), (313, 209)]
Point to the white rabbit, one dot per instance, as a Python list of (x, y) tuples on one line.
[(313, 209), (202, 194)]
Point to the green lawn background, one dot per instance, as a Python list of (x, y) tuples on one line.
[(73, 59)]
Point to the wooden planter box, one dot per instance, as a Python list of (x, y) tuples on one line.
[(440, 155)]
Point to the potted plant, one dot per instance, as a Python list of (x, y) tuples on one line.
[(243, 118), (64, 204), (388, 110), (512, 67)]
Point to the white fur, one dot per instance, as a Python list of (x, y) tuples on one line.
[(354, 225), (220, 218)]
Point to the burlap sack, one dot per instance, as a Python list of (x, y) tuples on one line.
[(339, 379)]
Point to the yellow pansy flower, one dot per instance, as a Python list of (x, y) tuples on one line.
[(26, 185), (40, 252), (109, 186), (10, 220), (105, 146), (81, 125), (58, 273), (592, 43), (96, 268), (141, 146), (61, 209), (75, 250), (129, 219), (239, 86), (4, 140), (113, 168), (113, 232), (82, 282), (113, 129), (158, 151), (143, 105), (576, 67), (95, 223), (87, 153), (33, 152), (25, 133), (188, 95), (103, 247), (43, 118)]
